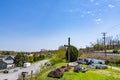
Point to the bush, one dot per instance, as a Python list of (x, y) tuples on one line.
[(58, 57), (113, 61), (107, 62), (117, 60), (55, 60), (115, 51), (73, 54)]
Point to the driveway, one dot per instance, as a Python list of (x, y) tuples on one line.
[(14, 75)]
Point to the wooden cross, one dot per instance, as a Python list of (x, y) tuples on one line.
[(68, 46)]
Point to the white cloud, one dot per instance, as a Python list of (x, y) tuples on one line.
[(96, 3), (82, 15), (72, 10), (91, 0), (89, 12), (111, 6), (98, 21)]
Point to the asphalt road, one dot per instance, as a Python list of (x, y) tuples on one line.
[(108, 54), (14, 75)]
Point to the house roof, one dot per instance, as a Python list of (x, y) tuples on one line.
[(2, 62), (9, 58), (8, 61)]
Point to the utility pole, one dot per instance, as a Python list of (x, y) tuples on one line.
[(68, 46), (104, 38)]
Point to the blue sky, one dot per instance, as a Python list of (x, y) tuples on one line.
[(32, 25)]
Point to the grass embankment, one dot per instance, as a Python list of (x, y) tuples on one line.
[(94, 74), (112, 51), (45, 71)]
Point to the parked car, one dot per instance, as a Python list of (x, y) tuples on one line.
[(24, 74), (47, 64), (25, 65), (5, 71), (15, 70), (88, 61), (96, 61), (101, 67)]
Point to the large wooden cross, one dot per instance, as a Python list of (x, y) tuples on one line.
[(68, 46)]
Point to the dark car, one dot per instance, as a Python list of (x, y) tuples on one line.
[(5, 71)]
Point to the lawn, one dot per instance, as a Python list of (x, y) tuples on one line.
[(112, 50), (93, 74)]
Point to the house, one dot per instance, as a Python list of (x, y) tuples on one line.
[(3, 65), (10, 61), (6, 62)]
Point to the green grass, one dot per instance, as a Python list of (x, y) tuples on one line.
[(60, 64), (109, 50), (94, 74), (116, 65), (112, 51), (90, 75)]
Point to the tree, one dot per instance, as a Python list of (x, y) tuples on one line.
[(30, 59), (73, 53), (98, 47), (19, 59), (58, 57), (36, 57)]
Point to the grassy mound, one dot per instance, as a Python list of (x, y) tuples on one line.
[(94, 74)]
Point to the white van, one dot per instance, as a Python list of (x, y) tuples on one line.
[(25, 65)]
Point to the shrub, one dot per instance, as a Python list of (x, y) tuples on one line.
[(117, 60), (73, 53), (58, 57), (115, 51), (107, 62)]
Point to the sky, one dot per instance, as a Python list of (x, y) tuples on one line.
[(32, 25)]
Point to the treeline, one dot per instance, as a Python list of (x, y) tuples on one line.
[(20, 58), (112, 43), (9, 52), (15, 52)]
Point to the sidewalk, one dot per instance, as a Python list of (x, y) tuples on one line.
[(116, 68)]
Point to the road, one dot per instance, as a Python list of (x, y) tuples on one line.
[(108, 54), (14, 75), (113, 54)]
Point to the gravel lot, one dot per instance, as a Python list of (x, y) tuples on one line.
[(14, 75)]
